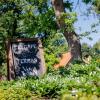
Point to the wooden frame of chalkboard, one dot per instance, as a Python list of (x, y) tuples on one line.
[(11, 70)]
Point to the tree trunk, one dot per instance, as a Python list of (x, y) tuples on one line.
[(71, 37)]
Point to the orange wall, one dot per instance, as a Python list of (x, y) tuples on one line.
[(64, 60)]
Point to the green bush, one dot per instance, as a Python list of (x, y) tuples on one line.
[(15, 94), (74, 83)]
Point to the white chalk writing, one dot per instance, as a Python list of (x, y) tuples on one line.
[(23, 47), (22, 61)]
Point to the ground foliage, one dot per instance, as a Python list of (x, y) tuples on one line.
[(77, 82)]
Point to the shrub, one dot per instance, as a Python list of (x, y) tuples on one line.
[(75, 82)]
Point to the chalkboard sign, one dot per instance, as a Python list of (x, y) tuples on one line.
[(25, 58)]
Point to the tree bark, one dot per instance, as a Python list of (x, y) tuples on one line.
[(71, 37)]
